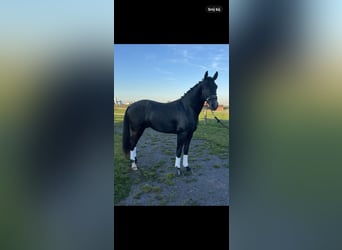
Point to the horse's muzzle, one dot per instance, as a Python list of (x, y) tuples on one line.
[(213, 105), (212, 101)]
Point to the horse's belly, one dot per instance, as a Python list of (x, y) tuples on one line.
[(163, 125), (165, 128)]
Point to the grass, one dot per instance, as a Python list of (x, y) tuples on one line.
[(222, 115), (122, 180), (118, 114), (214, 140), (216, 137), (147, 189), (161, 163), (190, 180), (168, 179), (168, 151), (151, 174)]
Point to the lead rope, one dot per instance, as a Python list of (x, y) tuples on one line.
[(218, 120)]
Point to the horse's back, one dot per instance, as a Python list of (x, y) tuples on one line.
[(162, 117), (153, 106), (141, 110)]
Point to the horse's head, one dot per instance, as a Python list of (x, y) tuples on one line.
[(209, 88)]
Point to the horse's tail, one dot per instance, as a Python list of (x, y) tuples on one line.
[(126, 135)]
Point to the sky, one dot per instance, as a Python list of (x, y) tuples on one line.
[(165, 72)]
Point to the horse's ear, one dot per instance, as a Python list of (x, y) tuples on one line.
[(215, 76), (206, 75)]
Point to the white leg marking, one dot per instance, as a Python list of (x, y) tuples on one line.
[(185, 161), (177, 162), (134, 166), (133, 154)]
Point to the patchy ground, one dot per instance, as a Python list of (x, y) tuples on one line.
[(155, 183)]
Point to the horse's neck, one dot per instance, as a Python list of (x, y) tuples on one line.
[(194, 101)]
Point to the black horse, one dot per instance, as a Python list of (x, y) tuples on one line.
[(178, 117)]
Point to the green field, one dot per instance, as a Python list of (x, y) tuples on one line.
[(214, 137)]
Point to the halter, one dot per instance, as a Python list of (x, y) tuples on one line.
[(211, 97)]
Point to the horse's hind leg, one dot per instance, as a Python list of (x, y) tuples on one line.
[(135, 136), (186, 150), (181, 137), (134, 158)]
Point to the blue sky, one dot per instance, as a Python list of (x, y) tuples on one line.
[(165, 72)]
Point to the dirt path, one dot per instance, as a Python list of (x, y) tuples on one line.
[(155, 183)]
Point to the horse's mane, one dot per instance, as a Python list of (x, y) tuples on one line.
[(191, 89)]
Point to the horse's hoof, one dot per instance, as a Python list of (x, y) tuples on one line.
[(134, 166), (188, 170), (178, 172)]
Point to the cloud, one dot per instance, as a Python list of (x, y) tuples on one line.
[(214, 65), (219, 61), (200, 56)]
